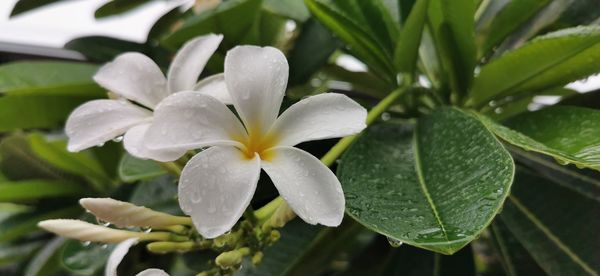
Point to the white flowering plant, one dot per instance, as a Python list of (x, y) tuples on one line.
[(250, 137)]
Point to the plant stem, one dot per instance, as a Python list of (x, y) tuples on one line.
[(268, 212), (171, 167)]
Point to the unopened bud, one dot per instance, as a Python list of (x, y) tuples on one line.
[(232, 258), (257, 258), (123, 214), (84, 231), (274, 236)]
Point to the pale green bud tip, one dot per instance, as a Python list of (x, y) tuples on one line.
[(84, 231), (229, 259), (123, 214)]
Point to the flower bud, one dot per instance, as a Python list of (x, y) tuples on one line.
[(84, 231), (123, 214)]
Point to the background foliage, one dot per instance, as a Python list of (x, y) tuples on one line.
[(459, 169)]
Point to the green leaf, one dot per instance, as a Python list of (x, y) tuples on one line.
[(294, 9), (49, 78), (45, 260), (345, 19), (36, 111), (79, 163), (584, 181), (569, 134), (25, 223), (234, 19), (509, 19), (19, 162), (159, 194), (132, 169), (37, 189), (546, 62), (453, 25), (436, 185), (312, 49), (560, 246), (102, 48), (115, 7), (407, 48), (11, 254), (81, 259), (22, 6), (514, 257)]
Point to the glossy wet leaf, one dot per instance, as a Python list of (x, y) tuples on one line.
[(25, 223), (557, 225), (11, 254), (38, 189), (435, 185), (569, 134), (133, 169), (46, 260), (49, 78), (116, 7), (159, 194), (546, 62), (103, 49)]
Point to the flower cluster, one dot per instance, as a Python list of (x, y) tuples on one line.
[(164, 118)]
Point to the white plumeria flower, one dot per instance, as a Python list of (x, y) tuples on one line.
[(119, 253), (137, 78), (217, 184)]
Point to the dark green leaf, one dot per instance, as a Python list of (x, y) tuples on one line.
[(514, 258), (159, 194), (234, 19), (45, 260), (115, 7), (133, 169), (79, 163), (22, 6), (25, 223), (37, 189), (407, 48), (311, 51), (436, 185), (555, 224), (83, 259), (512, 16), (36, 111), (49, 78), (294, 9), (10, 254), (102, 48), (569, 134), (453, 26), (546, 62), (344, 18)]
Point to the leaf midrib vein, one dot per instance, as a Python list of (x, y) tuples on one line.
[(554, 239), (424, 186)]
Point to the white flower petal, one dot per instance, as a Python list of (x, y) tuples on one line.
[(214, 86), (215, 188), (153, 272), (133, 141), (318, 117), (135, 77), (117, 256), (98, 121), (256, 79), (190, 61), (190, 120), (307, 185)]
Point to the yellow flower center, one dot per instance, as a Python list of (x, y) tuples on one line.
[(258, 143)]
